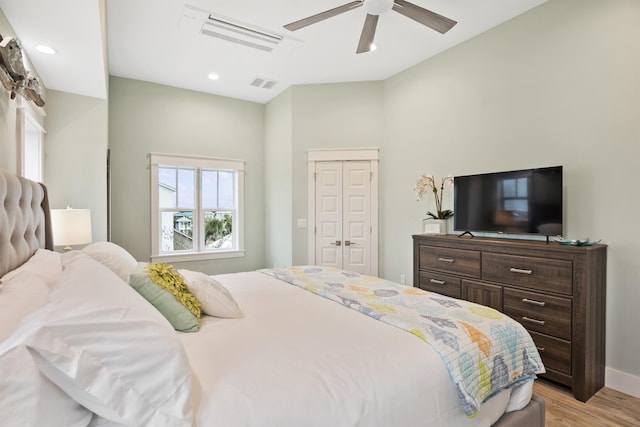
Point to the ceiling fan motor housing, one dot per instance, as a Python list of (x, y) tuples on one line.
[(378, 7)]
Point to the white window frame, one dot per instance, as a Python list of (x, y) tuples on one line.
[(196, 162), (28, 116)]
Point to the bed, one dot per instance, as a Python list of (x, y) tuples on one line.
[(82, 345)]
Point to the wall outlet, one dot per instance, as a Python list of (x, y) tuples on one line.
[(301, 223), (402, 279)]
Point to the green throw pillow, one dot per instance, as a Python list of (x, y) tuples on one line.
[(164, 288)]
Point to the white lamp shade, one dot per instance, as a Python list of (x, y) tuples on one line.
[(71, 226)]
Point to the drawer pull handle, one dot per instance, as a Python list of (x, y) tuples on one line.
[(446, 259), (534, 302), (437, 282), (541, 349), (519, 270), (536, 321)]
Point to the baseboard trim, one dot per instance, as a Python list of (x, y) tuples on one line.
[(621, 381)]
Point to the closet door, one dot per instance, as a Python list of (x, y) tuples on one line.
[(356, 216), (343, 215), (328, 225)]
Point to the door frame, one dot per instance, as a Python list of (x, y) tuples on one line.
[(342, 154)]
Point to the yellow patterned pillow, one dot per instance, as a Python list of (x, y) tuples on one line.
[(165, 289), (165, 276)]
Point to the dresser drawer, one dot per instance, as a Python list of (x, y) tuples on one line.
[(544, 274), (455, 261), (482, 293), (440, 283), (555, 353), (541, 313)]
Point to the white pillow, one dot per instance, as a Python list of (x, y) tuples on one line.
[(115, 257), (26, 288), (98, 421), (28, 398), (215, 299), (43, 263), (109, 349), (520, 396)]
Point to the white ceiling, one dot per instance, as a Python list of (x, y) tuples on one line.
[(150, 40)]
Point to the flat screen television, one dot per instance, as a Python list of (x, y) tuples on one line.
[(525, 201)]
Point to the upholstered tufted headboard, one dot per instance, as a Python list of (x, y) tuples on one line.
[(25, 224)]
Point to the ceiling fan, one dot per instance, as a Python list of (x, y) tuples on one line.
[(374, 9)]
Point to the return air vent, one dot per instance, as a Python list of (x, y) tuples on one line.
[(263, 83), (198, 21)]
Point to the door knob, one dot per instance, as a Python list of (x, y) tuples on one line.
[(338, 243), (348, 243)]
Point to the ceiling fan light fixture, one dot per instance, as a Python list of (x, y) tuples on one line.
[(378, 7)]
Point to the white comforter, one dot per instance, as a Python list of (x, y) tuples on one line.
[(297, 359)]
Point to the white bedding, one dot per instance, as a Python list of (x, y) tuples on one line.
[(101, 346), (297, 359), (294, 359)]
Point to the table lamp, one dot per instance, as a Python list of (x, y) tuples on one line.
[(71, 227)]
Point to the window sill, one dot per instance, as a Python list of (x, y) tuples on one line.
[(197, 256)]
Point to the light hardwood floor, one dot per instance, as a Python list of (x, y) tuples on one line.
[(608, 408)]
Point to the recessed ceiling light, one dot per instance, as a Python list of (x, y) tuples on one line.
[(213, 76), (46, 49), (372, 47)]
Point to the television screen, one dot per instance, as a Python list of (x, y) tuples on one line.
[(516, 202)]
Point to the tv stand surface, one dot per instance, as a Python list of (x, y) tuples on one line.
[(557, 292)]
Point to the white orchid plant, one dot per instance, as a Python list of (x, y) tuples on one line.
[(427, 184)]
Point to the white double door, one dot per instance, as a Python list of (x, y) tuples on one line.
[(343, 215)]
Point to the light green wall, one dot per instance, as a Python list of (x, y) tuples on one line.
[(559, 85), (335, 115), (278, 181), (8, 153), (76, 155), (9, 144), (75, 146), (8, 137), (146, 117)]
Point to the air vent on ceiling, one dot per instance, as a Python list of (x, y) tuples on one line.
[(198, 21), (241, 34), (263, 83)]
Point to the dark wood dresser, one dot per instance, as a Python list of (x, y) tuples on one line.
[(558, 293)]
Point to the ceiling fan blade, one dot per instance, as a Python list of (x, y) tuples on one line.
[(368, 32), (323, 15), (432, 20)]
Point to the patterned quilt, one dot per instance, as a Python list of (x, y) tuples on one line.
[(483, 350)]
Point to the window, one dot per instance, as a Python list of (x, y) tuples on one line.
[(196, 208), (31, 146)]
